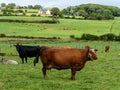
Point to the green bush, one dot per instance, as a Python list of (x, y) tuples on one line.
[(33, 15), (55, 20), (2, 35), (118, 38), (26, 21), (108, 37), (89, 37), (72, 36), (24, 13), (105, 37)]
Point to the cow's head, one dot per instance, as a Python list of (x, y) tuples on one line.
[(92, 54), (18, 46)]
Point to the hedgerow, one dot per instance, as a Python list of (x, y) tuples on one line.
[(25, 21), (104, 37)]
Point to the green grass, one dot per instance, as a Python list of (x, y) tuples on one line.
[(66, 27), (24, 18), (101, 74)]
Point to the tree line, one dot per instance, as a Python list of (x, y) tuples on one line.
[(93, 11), (14, 6), (86, 11)]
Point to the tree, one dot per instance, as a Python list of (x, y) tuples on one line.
[(11, 5), (8, 11), (96, 11), (81, 12), (30, 7), (107, 14), (64, 11), (3, 5), (55, 11), (69, 10), (60, 14), (37, 7)]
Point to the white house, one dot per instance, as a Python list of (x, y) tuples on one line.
[(44, 11), (48, 12)]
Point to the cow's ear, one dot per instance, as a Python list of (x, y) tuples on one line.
[(17, 44), (87, 46)]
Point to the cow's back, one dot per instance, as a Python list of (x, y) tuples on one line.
[(63, 57), (29, 51)]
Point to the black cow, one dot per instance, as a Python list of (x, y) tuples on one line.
[(27, 51)]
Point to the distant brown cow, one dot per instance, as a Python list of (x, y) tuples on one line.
[(68, 58), (107, 48)]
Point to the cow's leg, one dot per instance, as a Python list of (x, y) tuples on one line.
[(73, 72), (35, 60), (44, 71), (26, 59), (22, 60)]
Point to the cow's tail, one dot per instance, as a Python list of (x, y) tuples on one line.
[(39, 53), (36, 60), (37, 57)]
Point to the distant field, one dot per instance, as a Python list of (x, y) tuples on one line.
[(64, 29), (24, 18)]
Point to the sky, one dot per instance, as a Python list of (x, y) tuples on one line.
[(61, 3)]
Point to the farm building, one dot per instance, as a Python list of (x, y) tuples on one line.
[(44, 11)]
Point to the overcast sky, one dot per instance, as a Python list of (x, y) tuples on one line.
[(61, 3)]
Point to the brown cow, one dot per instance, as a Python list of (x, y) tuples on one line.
[(107, 48), (46, 47), (69, 58), (66, 47)]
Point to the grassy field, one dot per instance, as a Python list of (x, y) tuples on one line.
[(24, 18), (101, 74), (65, 27)]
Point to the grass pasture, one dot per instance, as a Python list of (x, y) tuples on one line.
[(101, 74), (66, 27)]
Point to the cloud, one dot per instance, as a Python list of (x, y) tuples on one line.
[(61, 3)]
